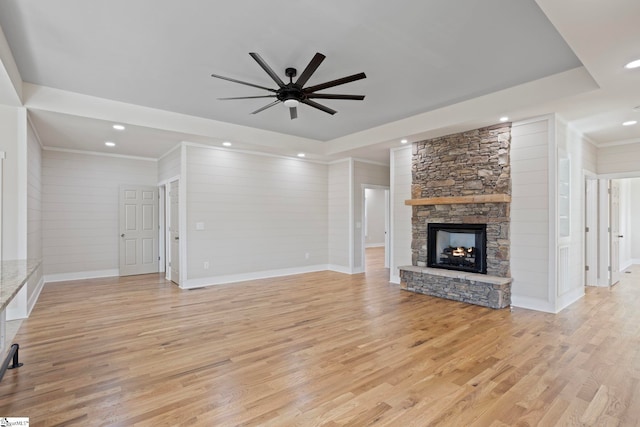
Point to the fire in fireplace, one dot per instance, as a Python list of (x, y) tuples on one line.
[(457, 247)]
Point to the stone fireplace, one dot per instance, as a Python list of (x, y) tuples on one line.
[(461, 182)]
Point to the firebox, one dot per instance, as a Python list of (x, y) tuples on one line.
[(457, 247)]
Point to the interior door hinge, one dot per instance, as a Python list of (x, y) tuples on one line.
[(586, 268), (609, 268), (586, 229)]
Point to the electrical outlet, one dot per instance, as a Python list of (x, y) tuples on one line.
[(206, 265)]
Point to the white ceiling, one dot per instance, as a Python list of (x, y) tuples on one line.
[(433, 67)]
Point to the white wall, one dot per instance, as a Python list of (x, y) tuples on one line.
[(634, 215), (34, 212), (581, 155), (261, 214), (339, 181), (530, 217), (363, 173), (34, 196), (400, 239), (619, 159), (169, 165), (374, 215), (80, 211), (13, 126)]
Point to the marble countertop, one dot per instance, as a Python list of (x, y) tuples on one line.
[(13, 275)]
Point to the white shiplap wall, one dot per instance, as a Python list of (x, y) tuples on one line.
[(338, 210), (619, 159), (364, 174), (530, 215), (80, 211), (34, 196), (400, 213), (12, 190), (261, 215), (169, 165), (34, 214)]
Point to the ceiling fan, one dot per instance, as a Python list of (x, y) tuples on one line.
[(292, 94)]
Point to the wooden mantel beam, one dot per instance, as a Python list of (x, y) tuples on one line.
[(480, 198)]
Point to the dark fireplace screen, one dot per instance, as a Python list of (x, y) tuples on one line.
[(457, 247)]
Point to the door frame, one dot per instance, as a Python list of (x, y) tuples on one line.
[(165, 246), (387, 209)]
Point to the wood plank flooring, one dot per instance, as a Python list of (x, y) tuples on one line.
[(320, 349)]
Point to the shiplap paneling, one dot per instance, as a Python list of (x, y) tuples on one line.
[(400, 213), (34, 214), (364, 173), (169, 165), (530, 215), (635, 213), (34, 196), (11, 207), (618, 159), (338, 200), (80, 209), (260, 213)]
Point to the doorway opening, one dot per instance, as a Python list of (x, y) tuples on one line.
[(375, 227)]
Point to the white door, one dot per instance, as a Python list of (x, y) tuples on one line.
[(138, 230), (614, 234), (591, 232), (387, 251), (174, 232)]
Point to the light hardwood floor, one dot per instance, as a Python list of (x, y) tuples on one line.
[(320, 349)]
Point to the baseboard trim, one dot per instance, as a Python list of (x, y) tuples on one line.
[(34, 296), (81, 275), (532, 304), (339, 269), (243, 277), (569, 298)]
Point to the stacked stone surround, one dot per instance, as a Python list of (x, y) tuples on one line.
[(464, 164)]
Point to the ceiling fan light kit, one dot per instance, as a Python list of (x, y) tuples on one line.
[(293, 94)]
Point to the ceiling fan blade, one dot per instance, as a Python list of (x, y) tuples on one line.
[(266, 106), (247, 97), (268, 69), (330, 96), (333, 83), (318, 106), (293, 111), (311, 68), (242, 83)]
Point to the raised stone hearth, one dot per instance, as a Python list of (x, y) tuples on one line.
[(472, 288), (463, 178)]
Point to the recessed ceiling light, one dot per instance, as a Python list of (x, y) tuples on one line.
[(118, 127), (629, 123), (227, 144), (633, 64), (301, 155), (110, 144), (504, 119), (403, 141)]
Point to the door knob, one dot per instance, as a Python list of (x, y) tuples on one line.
[(620, 235), (177, 238), (122, 235)]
